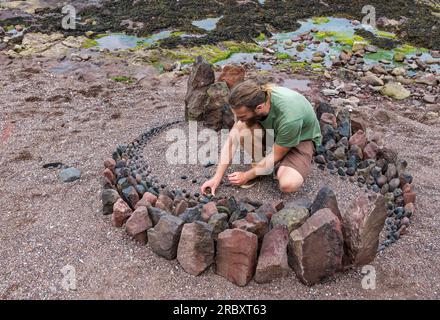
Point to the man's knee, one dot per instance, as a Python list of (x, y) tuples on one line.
[(290, 186), (289, 179)]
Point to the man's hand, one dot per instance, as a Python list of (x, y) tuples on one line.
[(212, 183), (239, 178)]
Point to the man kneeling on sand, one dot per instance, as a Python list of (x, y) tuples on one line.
[(296, 133)]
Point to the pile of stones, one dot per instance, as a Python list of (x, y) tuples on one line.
[(363, 159)]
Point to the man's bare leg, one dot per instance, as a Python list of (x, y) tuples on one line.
[(290, 180), (251, 139)]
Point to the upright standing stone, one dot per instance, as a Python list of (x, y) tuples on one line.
[(195, 252), (236, 255), (362, 224), (164, 237), (216, 106), (201, 77), (315, 249), (326, 198), (272, 262)]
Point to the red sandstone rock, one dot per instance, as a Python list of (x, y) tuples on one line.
[(232, 75), (315, 249), (208, 210), (328, 118), (164, 202), (359, 139), (151, 198), (180, 207), (362, 224), (236, 255), (121, 212), (409, 197), (272, 262), (370, 150), (268, 209), (110, 164), (138, 222), (195, 252), (109, 175), (253, 222)]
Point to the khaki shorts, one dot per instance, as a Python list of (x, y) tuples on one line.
[(299, 158)]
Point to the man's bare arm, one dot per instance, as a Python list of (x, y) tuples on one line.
[(267, 163)]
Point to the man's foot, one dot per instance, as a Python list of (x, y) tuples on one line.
[(248, 184)]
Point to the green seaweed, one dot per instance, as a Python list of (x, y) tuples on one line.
[(261, 37), (89, 43), (406, 49), (177, 33), (381, 54), (320, 35), (298, 64), (385, 34), (282, 55), (320, 20), (211, 53), (123, 79)]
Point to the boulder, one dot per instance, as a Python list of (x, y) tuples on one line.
[(219, 223), (155, 214)]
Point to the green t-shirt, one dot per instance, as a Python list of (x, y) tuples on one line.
[(292, 118)]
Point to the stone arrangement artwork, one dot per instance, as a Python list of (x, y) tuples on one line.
[(246, 239)]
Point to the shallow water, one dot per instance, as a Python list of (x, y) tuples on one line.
[(122, 41), (297, 84), (207, 24), (344, 29), (243, 57)]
